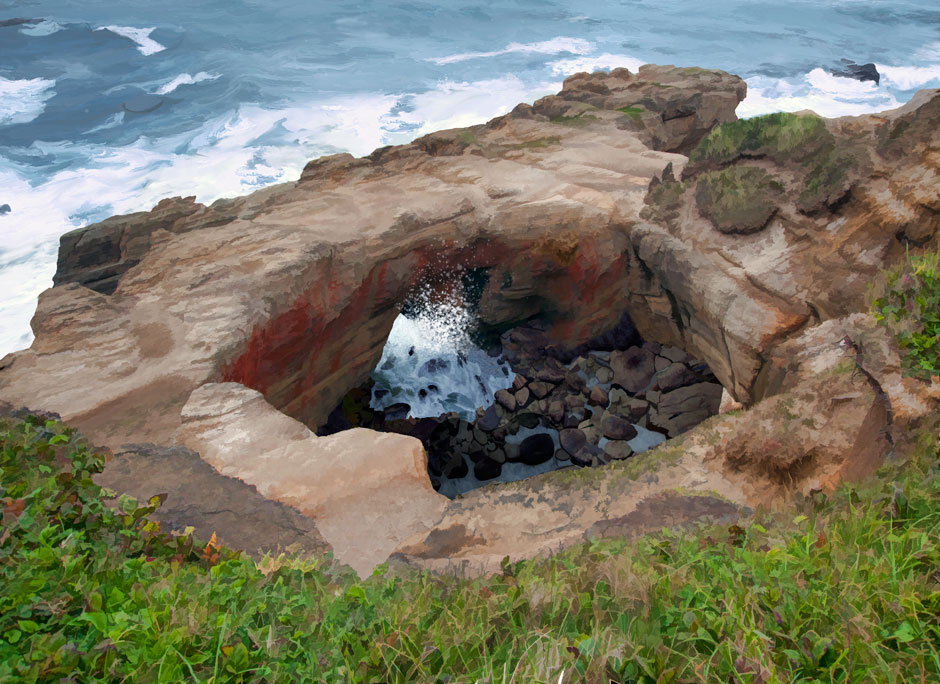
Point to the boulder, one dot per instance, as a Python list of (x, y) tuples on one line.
[(674, 376), (633, 369), (490, 419), (572, 440), (522, 397), (541, 389), (536, 449), (618, 450), (487, 469), (615, 427), (598, 397), (556, 411), (703, 396), (506, 400)]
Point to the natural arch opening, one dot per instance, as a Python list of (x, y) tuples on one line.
[(502, 403)]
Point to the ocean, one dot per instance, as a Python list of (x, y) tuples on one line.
[(106, 107)]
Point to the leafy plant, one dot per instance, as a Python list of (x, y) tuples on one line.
[(909, 303)]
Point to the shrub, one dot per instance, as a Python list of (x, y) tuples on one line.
[(909, 304), (739, 199), (781, 137)]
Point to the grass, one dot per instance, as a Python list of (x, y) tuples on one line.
[(846, 591), (635, 113), (738, 199), (536, 144), (781, 137), (908, 302), (581, 119)]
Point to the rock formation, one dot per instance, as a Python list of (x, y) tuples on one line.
[(579, 209)]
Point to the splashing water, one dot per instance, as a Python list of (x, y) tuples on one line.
[(430, 364)]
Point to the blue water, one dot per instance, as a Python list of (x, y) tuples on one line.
[(248, 91)]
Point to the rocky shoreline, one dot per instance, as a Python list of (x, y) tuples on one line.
[(740, 251)]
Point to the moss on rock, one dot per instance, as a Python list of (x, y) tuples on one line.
[(739, 199)]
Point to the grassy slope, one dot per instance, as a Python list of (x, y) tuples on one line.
[(847, 592)]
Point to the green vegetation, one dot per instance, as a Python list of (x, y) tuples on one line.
[(908, 302), (738, 199), (467, 137), (781, 137), (535, 144), (581, 119), (847, 591), (635, 113)]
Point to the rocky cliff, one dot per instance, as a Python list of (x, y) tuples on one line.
[(745, 245)]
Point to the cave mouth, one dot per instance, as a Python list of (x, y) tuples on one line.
[(505, 405)]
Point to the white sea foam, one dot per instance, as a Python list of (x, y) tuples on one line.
[(113, 121), (44, 28), (577, 46), (23, 100), (145, 44), (819, 91), (185, 79), (606, 62), (910, 77)]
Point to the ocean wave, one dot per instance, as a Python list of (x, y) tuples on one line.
[(606, 62), (44, 28), (23, 100), (910, 77), (145, 44), (113, 121), (819, 91), (553, 46), (186, 79)]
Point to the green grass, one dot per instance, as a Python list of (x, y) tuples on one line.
[(536, 144), (847, 591), (581, 119), (909, 304), (738, 199), (467, 137), (635, 113), (781, 137)]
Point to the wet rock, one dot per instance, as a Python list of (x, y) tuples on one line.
[(479, 436), (572, 440), (490, 419), (506, 400), (598, 397), (617, 396), (486, 469), (433, 366), (615, 427), (591, 430), (633, 368), (574, 381), (552, 375), (398, 411), (518, 382), (573, 401), (541, 389), (587, 455), (661, 363), (635, 408), (498, 455), (5, 209), (522, 397), (556, 411), (528, 419), (703, 396), (456, 467), (675, 376), (653, 396), (562, 455), (573, 419), (511, 452), (859, 72), (536, 449), (618, 450), (604, 375), (675, 355)]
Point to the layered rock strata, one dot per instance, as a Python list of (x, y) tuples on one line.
[(580, 208)]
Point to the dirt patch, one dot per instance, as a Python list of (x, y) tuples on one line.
[(670, 509), (154, 340)]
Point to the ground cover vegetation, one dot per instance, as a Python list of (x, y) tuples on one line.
[(844, 588)]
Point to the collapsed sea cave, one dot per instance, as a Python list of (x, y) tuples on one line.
[(503, 402)]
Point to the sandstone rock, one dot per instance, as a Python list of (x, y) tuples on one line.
[(367, 491), (633, 369), (598, 397), (615, 427), (518, 383), (661, 363), (489, 420), (541, 389), (506, 400), (704, 396), (536, 449), (522, 397), (556, 411), (591, 430), (676, 355), (635, 408), (572, 440), (653, 396), (551, 374), (676, 375), (618, 450)]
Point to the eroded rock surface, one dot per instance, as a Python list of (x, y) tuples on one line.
[(579, 209)]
